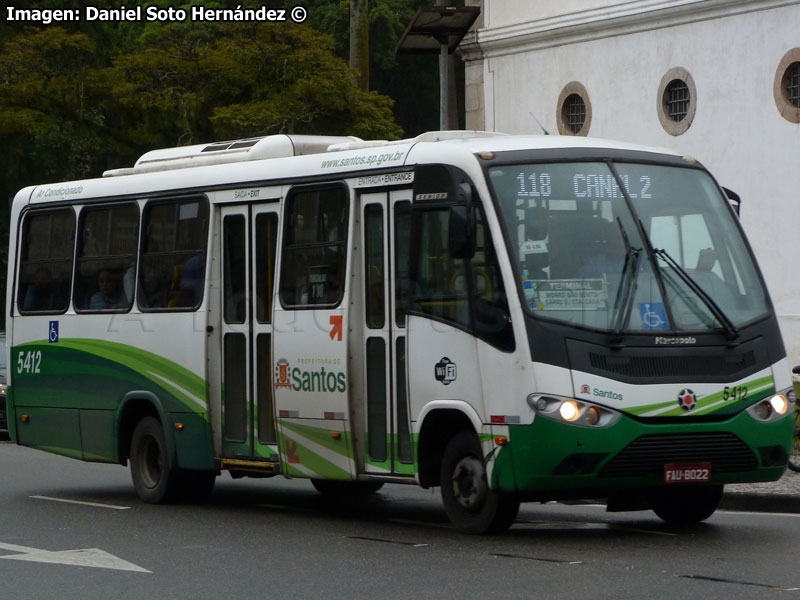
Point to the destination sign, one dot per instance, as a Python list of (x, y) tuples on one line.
[(568, 186), (568, 294)]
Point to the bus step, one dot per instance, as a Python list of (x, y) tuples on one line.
[(250, 467)]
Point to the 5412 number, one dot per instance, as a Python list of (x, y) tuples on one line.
[(736, 392), (29, 362)]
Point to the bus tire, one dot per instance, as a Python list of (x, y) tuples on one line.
[(471, 505), (683, 506), (335, 487), (154, 480)]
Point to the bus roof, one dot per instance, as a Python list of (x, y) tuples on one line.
[(274, 159)]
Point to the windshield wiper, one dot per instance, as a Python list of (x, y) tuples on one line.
[(730, 329), (624, 302)]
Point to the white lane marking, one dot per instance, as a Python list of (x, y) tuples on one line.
[(67, 501), (86, 557)]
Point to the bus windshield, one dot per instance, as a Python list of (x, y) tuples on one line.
[(580, 255)]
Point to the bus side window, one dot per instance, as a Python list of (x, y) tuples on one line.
[(107, 240), (314, 252), (48, 241), (440, 279), (466, 292), (173, 256)]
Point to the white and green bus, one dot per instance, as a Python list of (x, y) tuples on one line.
[(510, 318)]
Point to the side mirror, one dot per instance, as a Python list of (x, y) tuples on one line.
[(734, 199), (461, 230)]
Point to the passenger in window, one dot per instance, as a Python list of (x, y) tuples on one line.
[(107, 295)]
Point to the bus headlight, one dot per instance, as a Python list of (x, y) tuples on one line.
[(569, 410), (572, 411), (779, 403), (772, 408)]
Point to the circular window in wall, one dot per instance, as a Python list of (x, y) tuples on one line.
[(787, 86), (677, 101), (574, 110)]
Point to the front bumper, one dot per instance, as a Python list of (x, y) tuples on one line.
[(553, 460)]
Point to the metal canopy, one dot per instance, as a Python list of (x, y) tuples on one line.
[(438, 30), (436, 26)]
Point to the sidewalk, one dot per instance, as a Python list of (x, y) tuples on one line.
[(778, 496)]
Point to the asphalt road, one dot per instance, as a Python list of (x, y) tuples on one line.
[(72, 530)]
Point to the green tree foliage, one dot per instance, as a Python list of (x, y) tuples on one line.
[(50, 113), (193, 84)]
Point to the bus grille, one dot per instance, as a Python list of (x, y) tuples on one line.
[(648, 454), (671, 366)]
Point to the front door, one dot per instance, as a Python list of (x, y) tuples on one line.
[(312, 382), (249, 235), (385, 229)]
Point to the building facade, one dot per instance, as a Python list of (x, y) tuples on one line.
[(715, 79)]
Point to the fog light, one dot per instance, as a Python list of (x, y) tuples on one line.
[(569, 410), (779, 403), (763, 410)]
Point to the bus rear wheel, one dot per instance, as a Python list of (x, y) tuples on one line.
[(471, 505), (685, 505), (154, 480)]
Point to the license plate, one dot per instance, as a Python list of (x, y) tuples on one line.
[(687, 473)]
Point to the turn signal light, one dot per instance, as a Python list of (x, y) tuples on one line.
[(501, 440), (25, 419)]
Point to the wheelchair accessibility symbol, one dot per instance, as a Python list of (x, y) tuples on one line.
[(53, 334), (653, 315)]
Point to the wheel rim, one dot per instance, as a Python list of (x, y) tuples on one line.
[(152, 464), (469, 483)]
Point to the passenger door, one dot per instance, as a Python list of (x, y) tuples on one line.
[(385, 448), (312, 382), (248, 242)]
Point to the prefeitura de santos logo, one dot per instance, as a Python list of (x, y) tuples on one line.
[(309, 380)]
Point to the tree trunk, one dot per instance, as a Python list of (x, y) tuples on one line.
[(359, 42)]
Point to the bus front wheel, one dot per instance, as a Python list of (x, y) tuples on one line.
[(685, 505), (471, 505)]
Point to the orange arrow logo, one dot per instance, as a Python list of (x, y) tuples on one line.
[(336, 331)]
